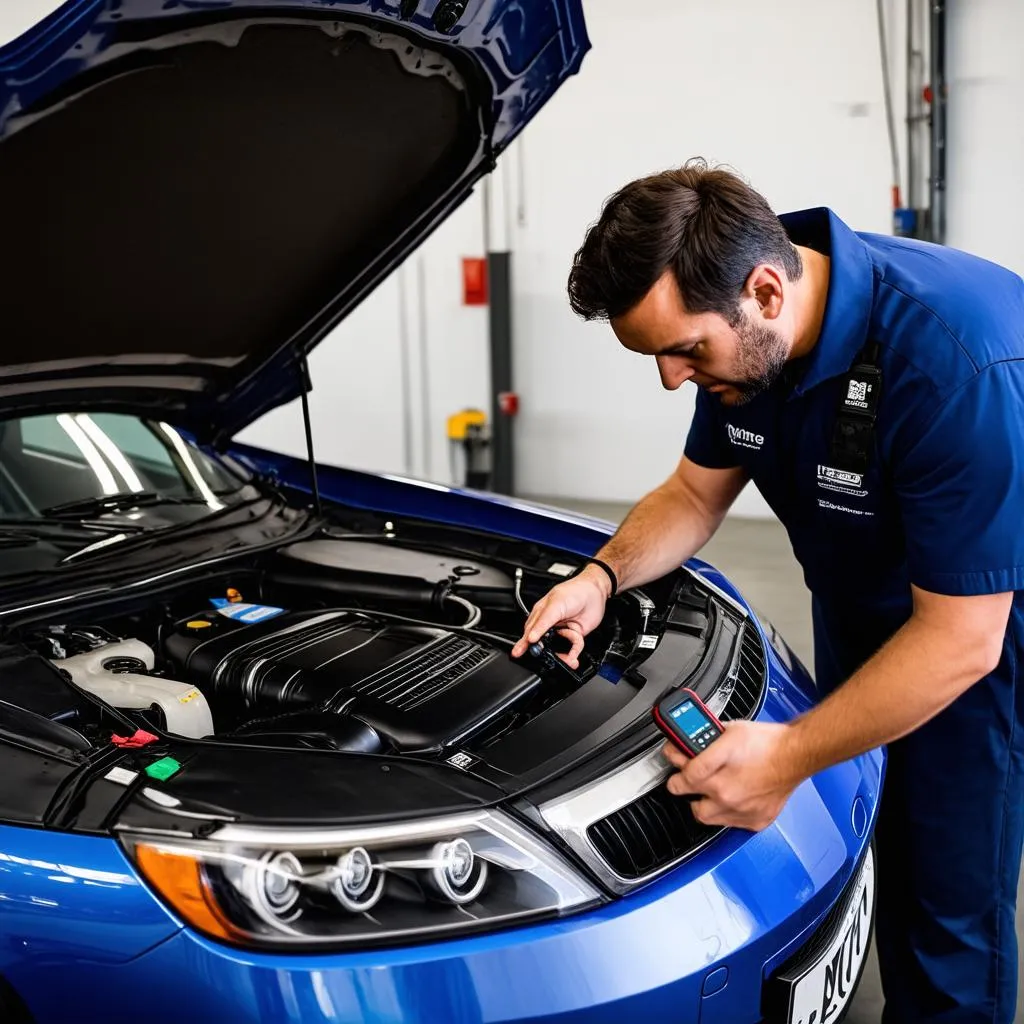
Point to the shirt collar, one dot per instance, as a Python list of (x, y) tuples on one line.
[(850, 293)]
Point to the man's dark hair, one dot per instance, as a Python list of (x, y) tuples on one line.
[(704, 224)]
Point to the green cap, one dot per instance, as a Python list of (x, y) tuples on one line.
[(163, 769)]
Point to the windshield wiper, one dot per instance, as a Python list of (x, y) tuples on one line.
[(86, 507), (18, 532), (120, 541)]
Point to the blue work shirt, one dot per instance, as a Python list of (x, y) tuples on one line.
[(941, 505)]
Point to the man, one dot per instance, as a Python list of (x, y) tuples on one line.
[(909, 530)]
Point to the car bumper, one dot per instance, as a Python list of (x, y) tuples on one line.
[(696, 945)]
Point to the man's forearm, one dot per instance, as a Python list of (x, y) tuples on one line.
[(911, 679), (664, 529)]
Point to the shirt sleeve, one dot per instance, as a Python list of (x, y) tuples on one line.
[(707, 443), (961, 489)]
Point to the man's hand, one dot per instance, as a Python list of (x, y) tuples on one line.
[(577, 606), (743, 779)]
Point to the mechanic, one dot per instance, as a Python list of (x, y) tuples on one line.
[(873, 389)]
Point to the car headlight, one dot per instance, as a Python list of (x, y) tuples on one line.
[(291, 887)]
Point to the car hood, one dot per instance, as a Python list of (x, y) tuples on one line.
[(194, 194)]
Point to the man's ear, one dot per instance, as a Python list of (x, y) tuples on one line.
[(764, 285)]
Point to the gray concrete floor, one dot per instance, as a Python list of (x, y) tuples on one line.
[(756, 556)]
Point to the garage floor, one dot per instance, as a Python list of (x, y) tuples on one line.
[(755, 554)]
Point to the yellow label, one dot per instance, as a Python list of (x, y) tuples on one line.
[(186, 697)]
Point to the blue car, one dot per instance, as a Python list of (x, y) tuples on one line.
[(266, 756)]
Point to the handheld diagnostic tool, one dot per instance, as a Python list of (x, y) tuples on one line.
[(686, 720)]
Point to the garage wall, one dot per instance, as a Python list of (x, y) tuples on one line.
[(16, 16), (985, 151)]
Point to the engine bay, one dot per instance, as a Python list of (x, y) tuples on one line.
[(364, 643)]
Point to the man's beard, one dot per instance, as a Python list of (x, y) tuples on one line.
[(761, 356)]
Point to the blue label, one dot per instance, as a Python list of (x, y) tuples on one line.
[(245, 612)]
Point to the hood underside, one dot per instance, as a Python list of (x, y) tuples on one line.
[(191, 202)]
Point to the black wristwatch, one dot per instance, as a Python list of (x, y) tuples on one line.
[(608, 569)]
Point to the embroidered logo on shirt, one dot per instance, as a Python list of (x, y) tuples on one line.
[(745, 438), (841, 480)]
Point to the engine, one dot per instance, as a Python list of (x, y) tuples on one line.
[(354, 679), (346, 643)]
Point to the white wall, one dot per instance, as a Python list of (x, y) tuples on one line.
[(985, 151), (16, 16)]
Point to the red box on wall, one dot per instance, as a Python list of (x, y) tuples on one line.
[(474, 281)]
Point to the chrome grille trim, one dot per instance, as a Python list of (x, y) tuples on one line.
[(621, 805), (572, 816)]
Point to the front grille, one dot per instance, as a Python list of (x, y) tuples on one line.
[(652, 831), (748, 687), (658, 829)]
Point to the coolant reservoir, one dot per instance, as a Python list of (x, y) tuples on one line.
[(107, 673)]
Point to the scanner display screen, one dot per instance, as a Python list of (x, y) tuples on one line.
[(691, 720)]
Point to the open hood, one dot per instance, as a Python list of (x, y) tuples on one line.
[(194, 193)]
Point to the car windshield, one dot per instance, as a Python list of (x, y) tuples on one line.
[(100, 467)]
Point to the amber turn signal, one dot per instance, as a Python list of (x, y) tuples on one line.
[(178, 878)]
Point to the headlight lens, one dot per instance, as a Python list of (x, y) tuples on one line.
[(274, 887)]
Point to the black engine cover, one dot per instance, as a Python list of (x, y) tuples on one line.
[(417, 687)]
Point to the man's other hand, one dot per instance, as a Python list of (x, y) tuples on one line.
[(742, 780)]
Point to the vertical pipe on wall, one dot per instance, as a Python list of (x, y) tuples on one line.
[(890, 120), (499, 276), (911, 194), (497, 239), (938, 85), (520, 182)]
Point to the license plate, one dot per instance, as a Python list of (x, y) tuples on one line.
[(826, 985)]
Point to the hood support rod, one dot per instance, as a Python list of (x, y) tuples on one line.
[(307, 386)]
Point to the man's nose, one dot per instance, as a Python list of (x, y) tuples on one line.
[(674, 371)]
